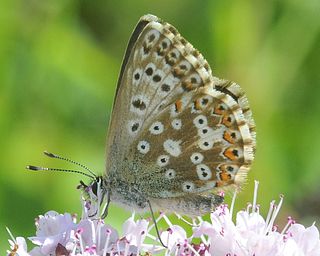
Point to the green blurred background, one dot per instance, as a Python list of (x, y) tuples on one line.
[(59, 62)]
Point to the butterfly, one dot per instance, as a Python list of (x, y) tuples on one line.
[(178, 135)]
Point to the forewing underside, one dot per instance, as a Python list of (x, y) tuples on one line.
[(186, 130), (158, 67)]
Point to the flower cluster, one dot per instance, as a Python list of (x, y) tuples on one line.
[(250, 234)]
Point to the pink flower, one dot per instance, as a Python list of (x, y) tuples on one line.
[(52, 228), (250, 234), (18, 245)]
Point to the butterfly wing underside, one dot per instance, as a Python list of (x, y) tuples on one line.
[(181, 129)]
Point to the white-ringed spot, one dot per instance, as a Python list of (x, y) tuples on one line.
[(137, 74), (156, 128), (134, 126), (143, 147), (139, 104), (205, 101), (163, 160), (172, 147), (205, 144), (188, 186), (204, 172), (170, 174), (200, 121), (196, 158), (176, 124), (204, 131)]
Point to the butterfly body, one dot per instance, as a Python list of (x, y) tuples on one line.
[(177, 135)]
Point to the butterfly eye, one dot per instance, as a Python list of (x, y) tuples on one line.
[(94, 187), (143, 147)]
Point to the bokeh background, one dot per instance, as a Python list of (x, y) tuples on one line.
[(59, 62)]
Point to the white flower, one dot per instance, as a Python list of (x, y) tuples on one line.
[(249, 235), (52, 229), (18, 245)]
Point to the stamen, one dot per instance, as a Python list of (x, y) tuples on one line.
[(271, 208), (275, 213), (255, 195), (289, 223), (233, 203), (107, 242)]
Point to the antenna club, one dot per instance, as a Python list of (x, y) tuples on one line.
[(49, 154), (33, 168)]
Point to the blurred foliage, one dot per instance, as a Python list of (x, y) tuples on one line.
[(59, 62)]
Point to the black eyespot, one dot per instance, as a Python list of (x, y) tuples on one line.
[(151, 37), (201, 121), (235, 152), (206, 143), (156, 78), (230, 169), (204, 131), (196, 158), (163, 160), (188, 187), (137, 76), (139, 104), (204, 101), (143, 146), (164, 45), (135, 127), (193, 80), (149, 71), (184, 67), (165, 87), (156, 128), (204, 174)]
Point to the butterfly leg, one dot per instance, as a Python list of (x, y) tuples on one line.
[(106, 208), (155, 225)]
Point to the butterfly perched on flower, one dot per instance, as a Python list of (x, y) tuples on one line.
[(177, 134)]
